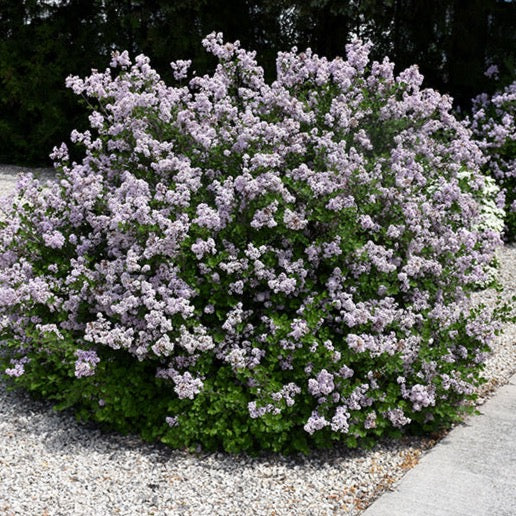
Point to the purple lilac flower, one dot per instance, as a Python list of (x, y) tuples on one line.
[(322, 384), (86, 363), (315, 422), (19, 367), (171, 421), (397, 418), (186, 386)]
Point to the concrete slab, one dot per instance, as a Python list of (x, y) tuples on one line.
[(471, 472)]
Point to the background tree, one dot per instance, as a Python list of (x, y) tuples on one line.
[(43, 41), (42, 44)]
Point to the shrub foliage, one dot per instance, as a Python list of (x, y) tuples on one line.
[(251, 266)]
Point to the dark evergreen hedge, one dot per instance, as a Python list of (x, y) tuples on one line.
[(42, 43)]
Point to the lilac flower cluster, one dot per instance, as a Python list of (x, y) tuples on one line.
[(494, 126), (85, 363), (18, 367), (494, 129), (293, 233)]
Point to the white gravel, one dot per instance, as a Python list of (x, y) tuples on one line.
[(52, 465), (9, 173)]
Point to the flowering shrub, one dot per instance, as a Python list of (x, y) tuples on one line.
[(254, 266), (494, 129)]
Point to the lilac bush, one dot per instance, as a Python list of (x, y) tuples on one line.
[(494, 129), (252, 266)]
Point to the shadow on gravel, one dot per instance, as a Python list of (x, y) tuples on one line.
[(61, 433)]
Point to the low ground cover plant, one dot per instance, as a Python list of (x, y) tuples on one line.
[(253, 266)]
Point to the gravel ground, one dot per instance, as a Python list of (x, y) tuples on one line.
[(52, 465)]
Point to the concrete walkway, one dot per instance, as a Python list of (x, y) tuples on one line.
[(472, 472)]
